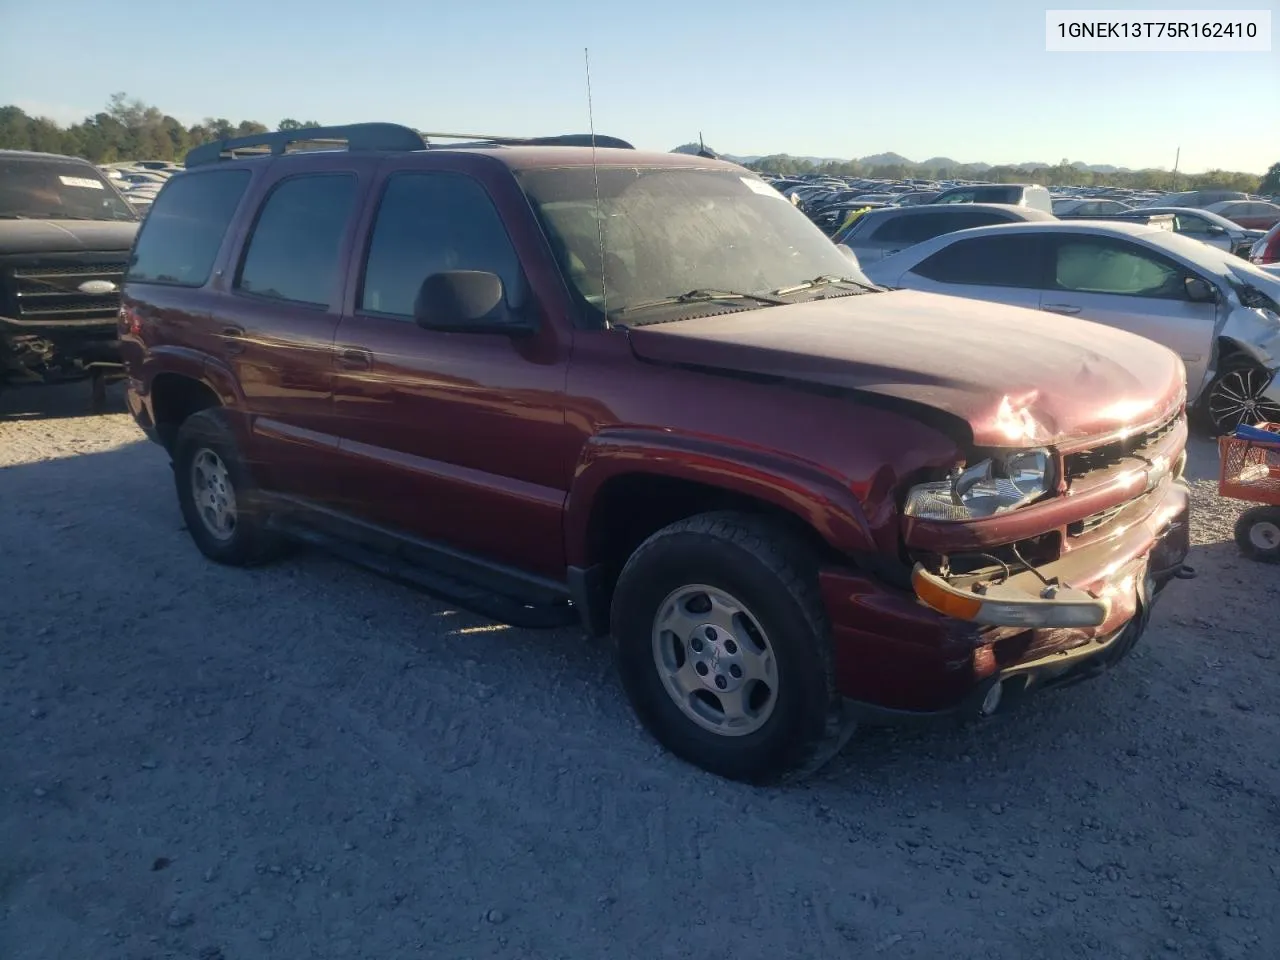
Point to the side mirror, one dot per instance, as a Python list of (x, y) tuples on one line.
[(1200, 291), (847, 251), (466, 301)]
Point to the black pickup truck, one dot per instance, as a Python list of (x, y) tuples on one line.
[(65, 235)]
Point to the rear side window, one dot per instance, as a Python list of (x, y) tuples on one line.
[(429, 223), (926, 226), (180, 238), (1012, 261), (296, 244)]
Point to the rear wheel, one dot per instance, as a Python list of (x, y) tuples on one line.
[(1258, 534), (1236, 396), (216, 493), (723, 646)]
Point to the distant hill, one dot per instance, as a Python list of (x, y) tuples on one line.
[(937, 163), (885, 160), (890, 159)]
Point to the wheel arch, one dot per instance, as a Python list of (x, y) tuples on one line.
[(630, 484), (175, 397)]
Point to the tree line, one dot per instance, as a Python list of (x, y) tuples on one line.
[(1060, 174), (129, 129)]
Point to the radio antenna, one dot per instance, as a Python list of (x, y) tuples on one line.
[(595, 176)]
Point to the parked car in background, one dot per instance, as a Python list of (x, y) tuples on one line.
[(881, 233), (1220, 314), (1266, 249), (1195, 198), (792, 498), (1017, 194), (1087, 207), (915, 198), (65, 234), (1257, 214), (832, 218), (1210, 228)]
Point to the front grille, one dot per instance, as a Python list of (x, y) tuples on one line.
[(48, 289), (1110, 455), (1100, 519), (91, 270), (70, 307)]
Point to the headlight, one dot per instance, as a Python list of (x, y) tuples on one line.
[(984, 489)]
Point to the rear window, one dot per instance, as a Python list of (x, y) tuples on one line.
[(915, 228), (180, 238)]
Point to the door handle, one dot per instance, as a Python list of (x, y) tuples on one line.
[(234, 339), (1064, 308), (355, 358)]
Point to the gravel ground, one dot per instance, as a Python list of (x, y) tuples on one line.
[(308, 761)]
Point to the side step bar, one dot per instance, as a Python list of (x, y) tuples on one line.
[(499, 593)]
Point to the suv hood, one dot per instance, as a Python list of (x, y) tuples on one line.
[(65, 236), (1017, 377)]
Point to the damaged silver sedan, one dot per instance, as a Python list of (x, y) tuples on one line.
[(1216, 311)]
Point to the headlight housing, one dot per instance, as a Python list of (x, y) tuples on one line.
[(989, 487)]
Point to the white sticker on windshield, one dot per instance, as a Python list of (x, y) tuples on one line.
[(86, 182), (760, 187)]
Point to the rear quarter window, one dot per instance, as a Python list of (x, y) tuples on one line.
[(180, 238)]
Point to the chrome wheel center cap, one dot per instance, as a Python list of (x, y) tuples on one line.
[(717, 658)]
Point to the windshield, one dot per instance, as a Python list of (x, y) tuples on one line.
[(666, 231), (57, 190)]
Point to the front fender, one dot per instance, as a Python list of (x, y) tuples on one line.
[(816, 496)]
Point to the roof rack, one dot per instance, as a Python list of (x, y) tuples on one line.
[(356, 136), (374, 136), (561, 140)]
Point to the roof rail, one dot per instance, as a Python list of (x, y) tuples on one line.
[(356, 136), (375, 136), (560, 140)]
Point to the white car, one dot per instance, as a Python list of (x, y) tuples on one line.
[(1216, 311)]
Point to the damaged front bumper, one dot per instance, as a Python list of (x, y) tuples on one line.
[(944, 648)]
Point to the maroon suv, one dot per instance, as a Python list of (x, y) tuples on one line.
[(644, 393)]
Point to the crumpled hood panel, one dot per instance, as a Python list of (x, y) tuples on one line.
[(1017, 377)]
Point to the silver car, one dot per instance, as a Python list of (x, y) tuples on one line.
[(1210, 228), (1216, 311), (882, 233), (1088, 207)]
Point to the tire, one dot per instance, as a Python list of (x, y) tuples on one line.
[(1258, 534), (707, 566), (205, 447), (1235, 397)]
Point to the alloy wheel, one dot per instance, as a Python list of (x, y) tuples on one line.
[(1237, 398), (715, 660), (213, 494)]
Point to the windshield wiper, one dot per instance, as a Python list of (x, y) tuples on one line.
[(823, 281), (701, 296)]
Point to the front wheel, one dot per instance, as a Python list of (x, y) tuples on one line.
[(1236, 396), (1258, 534), (723, 646)]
